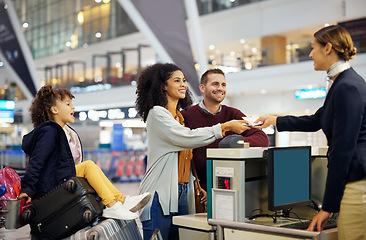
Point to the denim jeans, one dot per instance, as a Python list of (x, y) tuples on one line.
[(165, 222)]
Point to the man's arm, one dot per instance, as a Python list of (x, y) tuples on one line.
[(256, 138)]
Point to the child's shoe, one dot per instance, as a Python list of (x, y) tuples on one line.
[(135, 203), (119, 211)]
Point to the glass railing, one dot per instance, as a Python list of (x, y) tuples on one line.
[(211, 6), (84, 79)]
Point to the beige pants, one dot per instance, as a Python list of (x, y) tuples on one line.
[(101, 184), (352, 214)]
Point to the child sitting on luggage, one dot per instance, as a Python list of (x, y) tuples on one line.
[(54, 148)]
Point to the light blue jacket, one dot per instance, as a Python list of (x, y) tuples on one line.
[(166, 137)]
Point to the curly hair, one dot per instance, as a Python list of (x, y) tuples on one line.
[(150, 89), (340, 39), (46, 97)]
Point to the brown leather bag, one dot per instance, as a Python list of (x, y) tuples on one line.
[(200, 207)]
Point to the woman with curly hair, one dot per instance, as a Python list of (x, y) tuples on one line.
[(343, 121), (161, 93), (54, 148)]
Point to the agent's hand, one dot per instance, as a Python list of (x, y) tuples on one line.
[(236, 126), (266, 121), (24, 195), (319, 221)]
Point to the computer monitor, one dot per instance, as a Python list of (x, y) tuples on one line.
[(289, 177)]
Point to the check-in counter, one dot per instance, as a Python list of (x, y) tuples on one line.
[(244, 171), (194, 227), (229, 230)]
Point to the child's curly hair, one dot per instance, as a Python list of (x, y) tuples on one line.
[(150, 89), (46, 97)]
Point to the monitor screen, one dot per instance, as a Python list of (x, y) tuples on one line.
[(289, 175)]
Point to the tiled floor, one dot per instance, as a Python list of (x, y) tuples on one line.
[(131, 188)]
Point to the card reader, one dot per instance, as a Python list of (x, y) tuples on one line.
[(233, 141)]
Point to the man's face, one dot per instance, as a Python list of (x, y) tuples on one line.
[(215, 89)]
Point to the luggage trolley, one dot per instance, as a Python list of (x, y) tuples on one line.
[(11, 213), (11, 207)]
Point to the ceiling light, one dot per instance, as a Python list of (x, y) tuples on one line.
[(248, 65), (83, 116), (98, 35), (211, 47), (80, 17), (25, 25), (242, 41)]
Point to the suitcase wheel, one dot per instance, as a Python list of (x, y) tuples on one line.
[(28, 215), (70, 186), (93, 236), (87, 215)]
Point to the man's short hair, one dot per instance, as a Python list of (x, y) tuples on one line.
[(204, 78)]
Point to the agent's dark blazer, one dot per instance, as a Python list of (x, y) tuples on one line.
[(343, 120)]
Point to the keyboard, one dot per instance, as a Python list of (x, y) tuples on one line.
[(304, 224)]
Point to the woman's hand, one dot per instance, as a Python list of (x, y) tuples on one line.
[(203, 193), (236, 126), (266, 121), (24, 195), (319, 221)]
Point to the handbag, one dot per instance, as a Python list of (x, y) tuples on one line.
[(200, 207)]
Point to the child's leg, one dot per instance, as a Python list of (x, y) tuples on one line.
[(101, 184)]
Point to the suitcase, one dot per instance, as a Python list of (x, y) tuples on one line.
[(68, 208), (110, 229)]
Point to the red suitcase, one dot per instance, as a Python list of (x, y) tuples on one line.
[(65, 210)]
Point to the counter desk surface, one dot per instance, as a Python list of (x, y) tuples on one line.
[(199, 223), (241, 230), (252, 152), (196, 221)]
